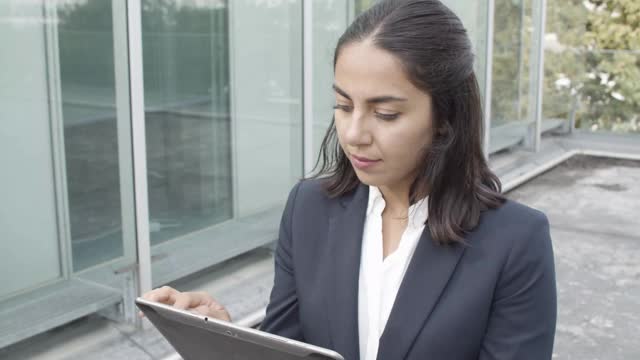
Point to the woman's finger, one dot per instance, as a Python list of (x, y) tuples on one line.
[(165, 295), (219, 313), (186, 300)]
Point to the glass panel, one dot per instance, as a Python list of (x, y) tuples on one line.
[(266, 93), (87, 84), (362, 5), (474, 17), (330, 19), (509, 52), (28, 211), (515, 74), (564, 68), (223, 112), (186, 74), (74, 104), (512, 52)]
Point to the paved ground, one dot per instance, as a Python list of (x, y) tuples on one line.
[(593, 205)]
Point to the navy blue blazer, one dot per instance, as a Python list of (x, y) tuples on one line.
[(495, 299)]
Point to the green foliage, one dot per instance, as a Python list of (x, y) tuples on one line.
[(592, 62), (597, 65), (509, 67), (614, 24), (564, 68)]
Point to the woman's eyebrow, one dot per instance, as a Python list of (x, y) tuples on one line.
[(374, 100)]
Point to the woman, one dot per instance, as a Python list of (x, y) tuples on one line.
[(403, 246)]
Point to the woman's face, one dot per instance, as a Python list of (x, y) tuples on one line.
[(383, 121)]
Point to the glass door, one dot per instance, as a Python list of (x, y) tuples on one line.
[(64, 144)]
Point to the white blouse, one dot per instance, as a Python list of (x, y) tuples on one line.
[(380, 279)]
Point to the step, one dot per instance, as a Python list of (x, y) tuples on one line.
[(48, 307)]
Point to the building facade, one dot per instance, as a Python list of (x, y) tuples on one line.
[(144, 141)]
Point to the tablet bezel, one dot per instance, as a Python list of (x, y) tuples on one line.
[(227, 329)]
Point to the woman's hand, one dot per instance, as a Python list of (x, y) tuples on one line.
[(198, 302)]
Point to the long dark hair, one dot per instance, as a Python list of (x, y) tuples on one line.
[(434, 48)]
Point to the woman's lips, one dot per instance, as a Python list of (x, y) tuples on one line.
[(362, 163)]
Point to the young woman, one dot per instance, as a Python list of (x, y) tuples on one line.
[(403, 246)]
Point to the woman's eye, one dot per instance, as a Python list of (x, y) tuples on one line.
[(345, 108), (387, 117), (382, 116)]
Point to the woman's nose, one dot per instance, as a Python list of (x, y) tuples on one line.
[(357, 132)]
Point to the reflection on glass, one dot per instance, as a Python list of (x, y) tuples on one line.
[(266, 92), (186, 74), (87, 84), (223, 110), (474, 15), (508, 100), (329, 22), (512, 103), (565, 69), (362, 5)]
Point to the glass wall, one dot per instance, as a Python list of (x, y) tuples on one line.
[(510, 60), (26, 186), (517, 41), (265, 48), (62, 117), (187, 111), (223, 121), (88, 91), (223, 114), (474, 16), (512, 55), (67, 217), (330, 19)]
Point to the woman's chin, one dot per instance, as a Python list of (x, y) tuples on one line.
[(369, 179)]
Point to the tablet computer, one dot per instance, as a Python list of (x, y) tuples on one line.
[(198, 337)]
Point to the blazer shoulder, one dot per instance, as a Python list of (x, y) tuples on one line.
[(313, 187), (513, 212), (306, 194), (513, 226), (313, 193)]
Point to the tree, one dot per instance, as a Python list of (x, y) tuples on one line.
[(612, 84), (596, 63)]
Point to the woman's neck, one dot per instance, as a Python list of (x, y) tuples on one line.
[(395, 198)]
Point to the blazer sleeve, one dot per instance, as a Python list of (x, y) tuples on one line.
[(282, 316), (523, 317)]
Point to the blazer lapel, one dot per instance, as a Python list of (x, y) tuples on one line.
[(426, 277), (345, 241)]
